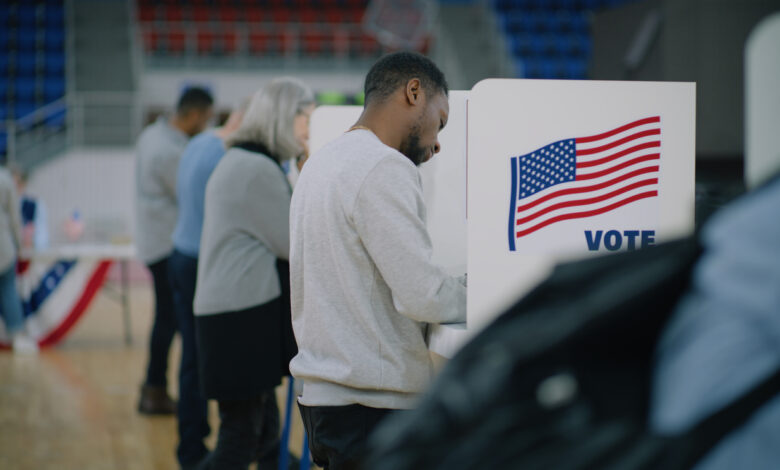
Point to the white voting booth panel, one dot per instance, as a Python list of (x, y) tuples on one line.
[(762, 101), (564, 169)]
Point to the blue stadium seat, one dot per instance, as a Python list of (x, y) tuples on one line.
[(53, 89), (26, 39), (24, 89), (3, 63), (3, 137), (3, 117), (26, 63), (576, 68), (5, 37), (55, 16), (54, 39), (54, 63), (5, 15), (3, 86), (27, 14)]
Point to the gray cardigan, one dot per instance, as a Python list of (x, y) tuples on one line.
[(245, 229), (10, 224)]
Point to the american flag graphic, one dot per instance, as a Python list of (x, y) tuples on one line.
[(584, 176)]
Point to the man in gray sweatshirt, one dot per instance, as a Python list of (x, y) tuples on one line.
[(362, 283), (159, 148)]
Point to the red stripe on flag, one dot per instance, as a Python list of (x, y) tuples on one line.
[(93, 285), (585, 202), (579, 215), (615, 168), (585, 189), (618, 142), (585, 140), (622, 153)]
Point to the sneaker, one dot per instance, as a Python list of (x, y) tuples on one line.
[(23, 344), (155, 401)]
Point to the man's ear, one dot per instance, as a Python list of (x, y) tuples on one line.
[(414, 91)]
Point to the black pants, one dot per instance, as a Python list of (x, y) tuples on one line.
[(338, 434), (248, 432), (164, 326), (192, 412)]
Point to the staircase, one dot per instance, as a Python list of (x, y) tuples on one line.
[(103, 74)]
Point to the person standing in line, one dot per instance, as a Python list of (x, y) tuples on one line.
[(10, 244), (198, 160), (362, 281), (242, 310), (35, 229), (157, 158)]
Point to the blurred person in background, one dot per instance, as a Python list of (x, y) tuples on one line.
[(242, 311), (199, 159), (363, 285), (724, 337), (10, 245), (35, 229), (157, 160)]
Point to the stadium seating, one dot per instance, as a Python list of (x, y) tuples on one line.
[(258, 29), (32, 60), (549, 38)]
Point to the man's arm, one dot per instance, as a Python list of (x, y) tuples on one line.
[(388, 216)]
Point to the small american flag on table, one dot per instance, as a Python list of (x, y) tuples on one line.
[(584, 176)]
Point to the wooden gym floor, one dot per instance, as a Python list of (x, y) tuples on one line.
[(73, 407)]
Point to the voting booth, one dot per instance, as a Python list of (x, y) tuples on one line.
[(536, 172)]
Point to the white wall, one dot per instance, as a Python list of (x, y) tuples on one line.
[(99, 183), (161, 88)]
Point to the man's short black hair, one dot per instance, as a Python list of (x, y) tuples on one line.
[(194, 98), (395, 70)]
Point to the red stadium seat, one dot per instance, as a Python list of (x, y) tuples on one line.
[(334, 15), (229, 39), (147, 13), (255, 15), (205, 41), (317, 43), (174, 13), (308, 15), (176, 41), (281, 15), (368, 46), (151, 40), (227, 14), (354, 15), (201, 14)]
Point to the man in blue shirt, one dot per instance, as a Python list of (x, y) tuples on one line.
[(724, 337), (197, 162)]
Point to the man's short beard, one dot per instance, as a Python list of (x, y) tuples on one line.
[(411, 146)]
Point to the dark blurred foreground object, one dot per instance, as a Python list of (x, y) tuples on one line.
[(562, 380)]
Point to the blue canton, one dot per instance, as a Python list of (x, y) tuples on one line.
[(550, 165)]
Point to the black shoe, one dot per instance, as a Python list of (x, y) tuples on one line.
[(155, 401)]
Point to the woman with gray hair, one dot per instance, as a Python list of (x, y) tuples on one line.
[(242, 302)]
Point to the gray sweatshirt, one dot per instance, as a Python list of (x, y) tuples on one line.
[(10, 223), (157, 161), (362, 282)]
